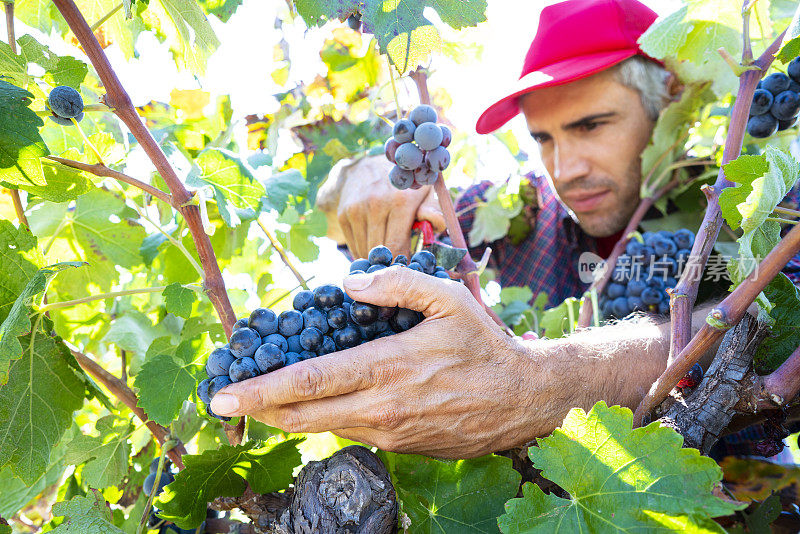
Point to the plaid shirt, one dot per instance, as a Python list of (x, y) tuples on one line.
[(547, 260)]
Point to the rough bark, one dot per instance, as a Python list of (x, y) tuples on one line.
[(703, 417)]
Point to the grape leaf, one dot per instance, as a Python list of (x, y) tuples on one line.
[(784, 335), (283, 185), (59, 70), (232, 181), (12, 67), (87, 514), (63, 183), (16, 494), (790, 48), (4, 527), (223, 9), (560, 320), (17, 323), (179, 300), (452, 496), (105, 457), (743, 170), (618, 478), (164, 382), (21, 146), (298, 238), (400, 27), (36, 405), (225, 472), (493, 216), (17, 271)]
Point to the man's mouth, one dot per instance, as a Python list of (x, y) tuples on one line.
[(583, 202)]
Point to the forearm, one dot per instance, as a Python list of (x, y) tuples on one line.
[(616, 363)]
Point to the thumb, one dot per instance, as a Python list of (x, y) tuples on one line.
[(407, 288), (430, 211)]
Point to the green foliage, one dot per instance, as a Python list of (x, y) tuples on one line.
[(452, 496), (105, 456), (493, 215), (618, 478), (59, 70), (784, 335), (165, 381), (225, 472), (20, 139), (761, 517), (85, 515), (562, 319), (179, 300)]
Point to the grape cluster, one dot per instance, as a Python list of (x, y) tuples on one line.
[(418, 148), (645, 271), (65, 103), (323, 321), (776, 102)]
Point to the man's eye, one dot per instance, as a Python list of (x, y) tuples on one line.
[(540, 138), (589, 126)]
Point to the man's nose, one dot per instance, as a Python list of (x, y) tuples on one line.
[(569, 163)]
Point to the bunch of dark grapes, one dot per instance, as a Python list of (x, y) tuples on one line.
[(644, 273), (65, 104), (323, 321), (418, 148), (776, 102)]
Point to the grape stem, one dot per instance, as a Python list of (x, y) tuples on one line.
[(684, 295), (466, 267), (104, 18), (282, 253), (121, 391)]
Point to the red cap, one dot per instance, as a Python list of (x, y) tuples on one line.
[(575, 39)]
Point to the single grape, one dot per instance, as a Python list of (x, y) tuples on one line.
[(371, 331), (793, 69), (307, 355), (651, 296), (380, 255), (217, 383), (154, 465), (389, 148), (277, 340), (311, 338), (386, 312), (605, 308), (447, 135), (363, 313), (619, 307), (354, 21), (634, 248), (775, 83), (401, 178), (400, 259), (290, 322), (428, 136), (415, 266), (318, 319), (425, 176), (423, 113), (202, 391), (374, 268), (762, 101), (303, 300), (437, 159), (403, 132), (269, 357), (635, 303), (663, 307), (65, 102), (264, 321), (785, 106), (665, 247), (426, 259), (328, 346), (337, 318), (785, 125), (212, 414), (242, 369), (684, 238), (293, 357), (244, 342), (346, 337), (635, 288), (219, 361), (408, 156), (442, 274), (405, 319), (240, 323), (361, 264), (615, 290), (328, 296), (293, 343), (762, 126), (149, 482)]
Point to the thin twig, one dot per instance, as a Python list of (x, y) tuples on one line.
[(121, 391), (282, 253), (104, 18), (104, 296)]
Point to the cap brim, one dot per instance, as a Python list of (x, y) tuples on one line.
[(559, 73)]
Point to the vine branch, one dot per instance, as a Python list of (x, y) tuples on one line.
[(128, 398), (12, 42)]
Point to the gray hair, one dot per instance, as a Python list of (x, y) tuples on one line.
[(646, 77)]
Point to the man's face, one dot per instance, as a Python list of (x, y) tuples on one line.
[(591, 133)]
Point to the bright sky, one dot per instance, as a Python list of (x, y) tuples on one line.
[(245, 57)]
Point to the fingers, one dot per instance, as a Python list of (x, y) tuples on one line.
[(430, 211), (398, 231), (407, 288), (326, 376)]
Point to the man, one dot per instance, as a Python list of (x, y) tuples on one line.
[(456, 385)]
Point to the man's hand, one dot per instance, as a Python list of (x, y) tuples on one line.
[(453, 386), (372, 212)]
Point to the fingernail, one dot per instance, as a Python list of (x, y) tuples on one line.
[(224, 404), (357, 282)]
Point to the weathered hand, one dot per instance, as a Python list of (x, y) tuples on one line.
[(453, 386), (373, 212)]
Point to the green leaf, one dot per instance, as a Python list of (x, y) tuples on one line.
[(224, 473), (561, 320), (16, 494), (17, 323), (784, 335), (493, 216), (15, 245), (619, 479), (36, 406), (21, 146), (791, 41), (63, 183), (179, 300), (164, 382), (134, 332), (298, 238), (59, 70), (12, 67), (743, 170), (87, 514), (464, 496), (223, 9), (232, 181), (105, 456), (765, 513), (282, 186)]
